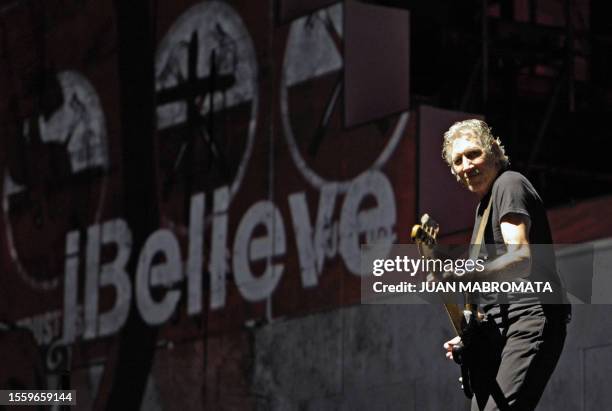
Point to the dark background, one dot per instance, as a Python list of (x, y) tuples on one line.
[(317, 122)]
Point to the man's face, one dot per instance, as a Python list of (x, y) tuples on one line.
[(475, 168)]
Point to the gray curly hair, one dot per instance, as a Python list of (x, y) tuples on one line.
[(476, 130)]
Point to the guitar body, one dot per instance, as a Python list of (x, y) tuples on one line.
[(460, 357), (463, 318), (462, 354)]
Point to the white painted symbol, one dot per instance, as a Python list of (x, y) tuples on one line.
[(311, 53), (79, 126), (216, 26), (79, 122)]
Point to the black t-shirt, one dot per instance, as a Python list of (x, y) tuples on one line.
[(513, 194)]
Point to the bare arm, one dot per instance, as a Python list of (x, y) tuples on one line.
[(516, 262)]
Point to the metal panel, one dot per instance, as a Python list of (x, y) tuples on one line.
[(377, 62)]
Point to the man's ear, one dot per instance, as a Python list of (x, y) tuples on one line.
[(496, 150), (497, 154)]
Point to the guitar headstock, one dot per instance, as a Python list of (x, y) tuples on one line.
[(426, 232)]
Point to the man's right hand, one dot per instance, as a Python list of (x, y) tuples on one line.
[(448, 346)]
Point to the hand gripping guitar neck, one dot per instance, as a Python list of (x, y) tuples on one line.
[(463, 317)]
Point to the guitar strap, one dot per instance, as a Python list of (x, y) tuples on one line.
[(476, 246), (474, 251)]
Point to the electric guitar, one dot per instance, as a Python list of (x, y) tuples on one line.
[(464, 317)]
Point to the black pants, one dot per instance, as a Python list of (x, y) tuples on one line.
[(519, 359)]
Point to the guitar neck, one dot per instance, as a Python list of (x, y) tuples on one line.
[(455, 314), (424, 235)]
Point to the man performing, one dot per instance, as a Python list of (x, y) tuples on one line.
[(531, 334)]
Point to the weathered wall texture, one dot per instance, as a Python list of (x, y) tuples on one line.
[(183, 206), (391, 358)]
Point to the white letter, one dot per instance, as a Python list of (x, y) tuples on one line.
[(248, 249), (378, 271), (92, 282), (162, 274), (311, 251), (218, 263), (194, 260), (376, 222)]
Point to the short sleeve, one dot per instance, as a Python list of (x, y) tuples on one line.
[(512, 195)]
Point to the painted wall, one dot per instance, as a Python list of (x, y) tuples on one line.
[(205, 230), (255, 222)]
